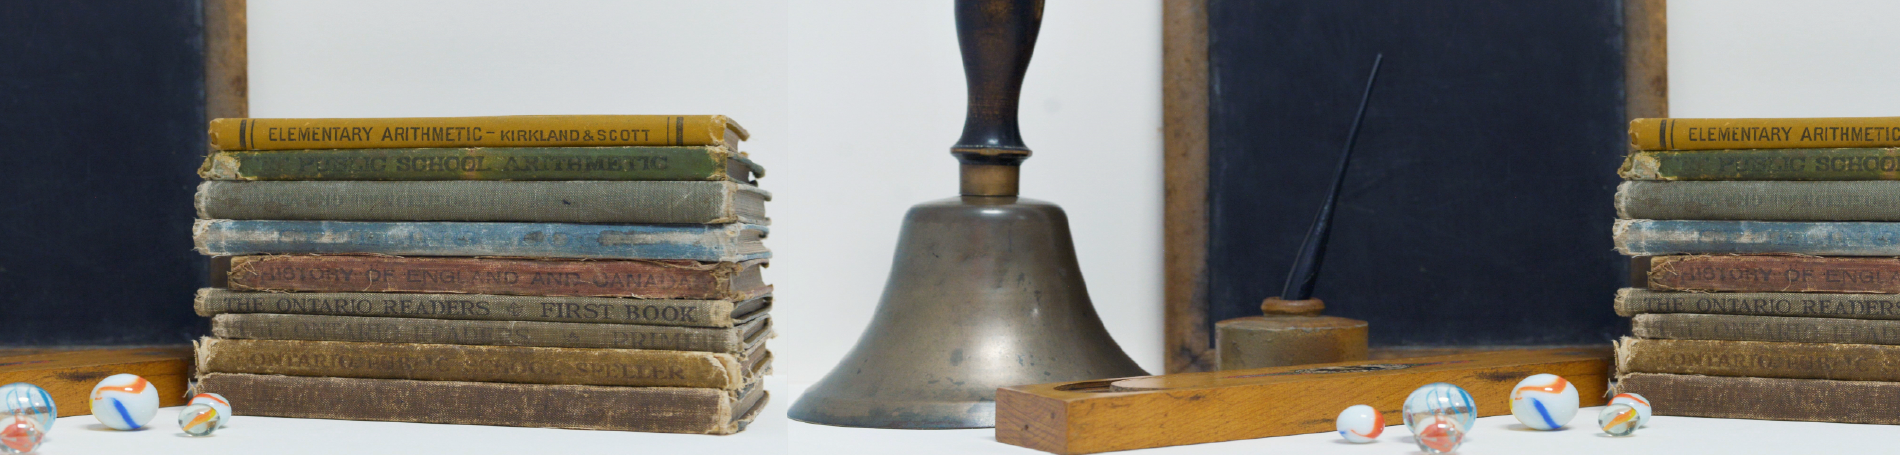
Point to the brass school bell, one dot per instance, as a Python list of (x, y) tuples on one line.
[(984, 290)]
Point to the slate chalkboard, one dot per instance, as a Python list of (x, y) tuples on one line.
[(1477, 210), (102, 126)]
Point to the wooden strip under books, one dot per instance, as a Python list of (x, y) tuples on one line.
[(1193, 408), (69, 375)]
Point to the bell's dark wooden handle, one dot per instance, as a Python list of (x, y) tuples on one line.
[(997, 37)]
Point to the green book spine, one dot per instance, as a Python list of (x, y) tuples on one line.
[(1759, 200), (578, 201), (481, 163), (1766, 164), (265, 326)]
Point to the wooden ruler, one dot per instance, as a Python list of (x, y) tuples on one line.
[(1193, 408), (69, 375)]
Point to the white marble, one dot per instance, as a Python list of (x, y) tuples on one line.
[(1544, 401), (124, 402), (1360, 424)]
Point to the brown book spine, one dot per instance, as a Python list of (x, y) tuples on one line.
[(444, 362), (491, 333), (605, 310), (1841, 362), (1717, 273), (648, 409), (1811, 400), (1631, 302), (1687, 326), (611, 278)]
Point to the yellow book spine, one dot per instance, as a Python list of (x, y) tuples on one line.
[(505, 131), (1763, 133)]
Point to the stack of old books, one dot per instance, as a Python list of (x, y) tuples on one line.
[(594, 272), (1766, 283)]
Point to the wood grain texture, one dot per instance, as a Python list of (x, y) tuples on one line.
[(1184, 167), (1407, 352), (227, 62), (1646, 58), (69, 375), (1193, 408)]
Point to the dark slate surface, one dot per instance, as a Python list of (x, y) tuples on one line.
[(1477, 209), (101, 128)]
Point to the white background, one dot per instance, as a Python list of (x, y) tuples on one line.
[(853, 106), (1763, 58)]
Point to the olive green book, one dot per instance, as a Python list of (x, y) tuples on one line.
[(485, 163), (1765, 164), (514, 364), (610, 202)]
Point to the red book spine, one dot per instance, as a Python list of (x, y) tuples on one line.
[(1775, 274)]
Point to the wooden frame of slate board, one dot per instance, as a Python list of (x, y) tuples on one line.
[(227, 62), (1190, 201)]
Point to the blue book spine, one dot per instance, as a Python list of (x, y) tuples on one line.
[(1659, 237), (711, 243)]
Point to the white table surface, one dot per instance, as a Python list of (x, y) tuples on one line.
[(268, 435), (772, 433)]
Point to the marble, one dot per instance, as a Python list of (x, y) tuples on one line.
[(215, 401), (20, 433), (200, 419), (1439, 433), (1439, 398), (1544, 401), (1439, 414), (1636, 401), (124, 401), (1360, 424), (1618, 420), (29, 399)]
